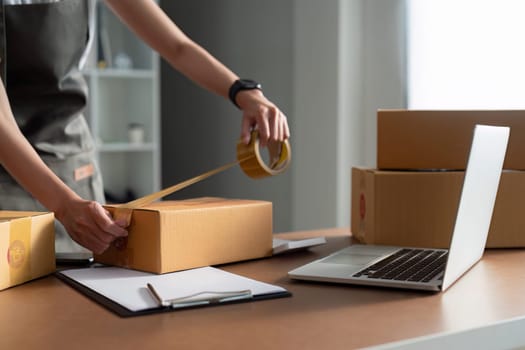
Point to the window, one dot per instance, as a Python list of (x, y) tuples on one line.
[(466, 54)]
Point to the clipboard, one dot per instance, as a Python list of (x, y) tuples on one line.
[(126, 292)]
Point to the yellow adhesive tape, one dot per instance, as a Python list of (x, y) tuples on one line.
[(252, 163), (19, 252), (248, 157)]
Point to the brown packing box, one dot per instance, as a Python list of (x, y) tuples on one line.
[(170, 236), (418, 209), (27, 244), (441, 139)]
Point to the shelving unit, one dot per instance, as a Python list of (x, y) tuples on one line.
[(123, 78)]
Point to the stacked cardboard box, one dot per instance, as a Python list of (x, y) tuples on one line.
[(413, 196)]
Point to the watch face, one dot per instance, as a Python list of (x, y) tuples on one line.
[(249, 84)]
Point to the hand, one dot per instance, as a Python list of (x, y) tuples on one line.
[(259, 112), (90, 225)]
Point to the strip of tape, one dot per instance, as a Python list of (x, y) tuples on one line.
[(19, 251), (248, 157)]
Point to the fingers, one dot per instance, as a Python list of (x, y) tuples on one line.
[(105, 229), (104, 221), (260, 113), (273, 127), (286, 129), (274, 150), (270, 122), (89, 224), (246, 128), (91, 242)]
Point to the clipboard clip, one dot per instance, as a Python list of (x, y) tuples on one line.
[(200, 298)]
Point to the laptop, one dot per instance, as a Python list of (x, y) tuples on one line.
[(420, 268)]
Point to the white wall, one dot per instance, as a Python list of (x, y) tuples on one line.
[(349, 61), (200, 130), (328, 64), (384, 66), (327, 126)]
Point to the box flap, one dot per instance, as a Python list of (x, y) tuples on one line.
[(196, 203), (7, 215)]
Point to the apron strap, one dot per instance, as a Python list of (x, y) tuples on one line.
[(2, 43)]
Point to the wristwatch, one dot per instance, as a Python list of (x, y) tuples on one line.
[(242, 84)]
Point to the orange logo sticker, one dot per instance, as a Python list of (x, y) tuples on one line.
[(84, 172), (16, 254)]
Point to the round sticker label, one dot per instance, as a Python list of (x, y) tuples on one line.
[(16, 254)]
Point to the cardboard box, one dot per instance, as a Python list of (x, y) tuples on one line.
[(27, 246), (418, 209), (442, 139), (170, 236)]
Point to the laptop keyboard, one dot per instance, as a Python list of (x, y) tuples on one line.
[(415, 265)]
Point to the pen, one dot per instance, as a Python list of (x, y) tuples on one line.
[(155, 295), (206, 297)]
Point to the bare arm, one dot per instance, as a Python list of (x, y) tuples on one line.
[(86, 221), (151, 24)]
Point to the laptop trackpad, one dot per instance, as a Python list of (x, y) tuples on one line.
[(351, 259)]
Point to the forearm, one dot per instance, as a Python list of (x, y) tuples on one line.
[(22, 162), (150, 23), (20, 159), (198, 65)]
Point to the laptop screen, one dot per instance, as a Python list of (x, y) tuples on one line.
[(477, 200)]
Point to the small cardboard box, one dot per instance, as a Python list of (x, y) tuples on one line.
[(170, 236), (418, 209), (27, 245), (441, 139)]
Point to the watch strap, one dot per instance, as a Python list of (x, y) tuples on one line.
[(240, 85)]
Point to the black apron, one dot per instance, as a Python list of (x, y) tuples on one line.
[(41, 45)]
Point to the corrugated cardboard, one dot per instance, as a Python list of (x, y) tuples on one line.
[(170, 236), (418, 209), (442, 139), (27, 246)]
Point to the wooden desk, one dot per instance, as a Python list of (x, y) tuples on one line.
[(49, 314)]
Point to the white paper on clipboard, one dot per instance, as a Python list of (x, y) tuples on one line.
[(129, 287)]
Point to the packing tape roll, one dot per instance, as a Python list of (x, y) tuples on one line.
[(252, 163), (248, 157)]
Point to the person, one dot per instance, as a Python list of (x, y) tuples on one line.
[(46, 150)]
